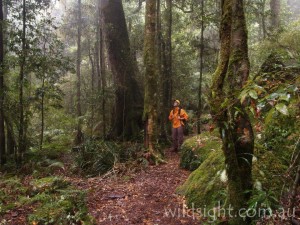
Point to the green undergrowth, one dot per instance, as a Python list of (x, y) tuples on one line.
[(45, 161), (49, 200), (96, 158), (206, 186), (196, 149)]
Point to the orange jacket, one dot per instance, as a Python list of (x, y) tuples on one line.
[(176, 122)]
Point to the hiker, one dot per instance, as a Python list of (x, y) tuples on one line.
[(178, 116)]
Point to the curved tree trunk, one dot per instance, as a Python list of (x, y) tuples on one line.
[(128, 102), (232, 119)]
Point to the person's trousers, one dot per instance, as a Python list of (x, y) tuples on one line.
[(177, 137)]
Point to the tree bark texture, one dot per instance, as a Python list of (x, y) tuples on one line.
[(234, 124), (2, 130), (151, 75), (128, 102), (100, 69)]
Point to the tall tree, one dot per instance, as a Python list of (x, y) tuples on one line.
[(102, 72), (97, 46), (201, 70), (42, 108), (79, 135), (22, 126), (2, 131), (103, 79), (151, 76), (128, 101), (167, 65), (234, 124)]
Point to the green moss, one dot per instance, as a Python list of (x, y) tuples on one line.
[(64, 207), (49, 184), (196, 149), (49, 200), (268, 169), (204, 186)]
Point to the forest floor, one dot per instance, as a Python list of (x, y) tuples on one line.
[(146, 197)]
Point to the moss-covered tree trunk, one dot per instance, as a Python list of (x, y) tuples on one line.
[(2, 132), (234, 124), (151, 76), (129, 100)]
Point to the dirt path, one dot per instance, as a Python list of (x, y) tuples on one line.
[(148, 197)]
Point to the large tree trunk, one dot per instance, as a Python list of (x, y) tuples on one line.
[(79, 134), (160, 60), (2, 131), (100, 66), (232, 119), (151, 76), (128, 102)]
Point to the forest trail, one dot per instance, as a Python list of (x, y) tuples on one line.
[(146, 197)]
